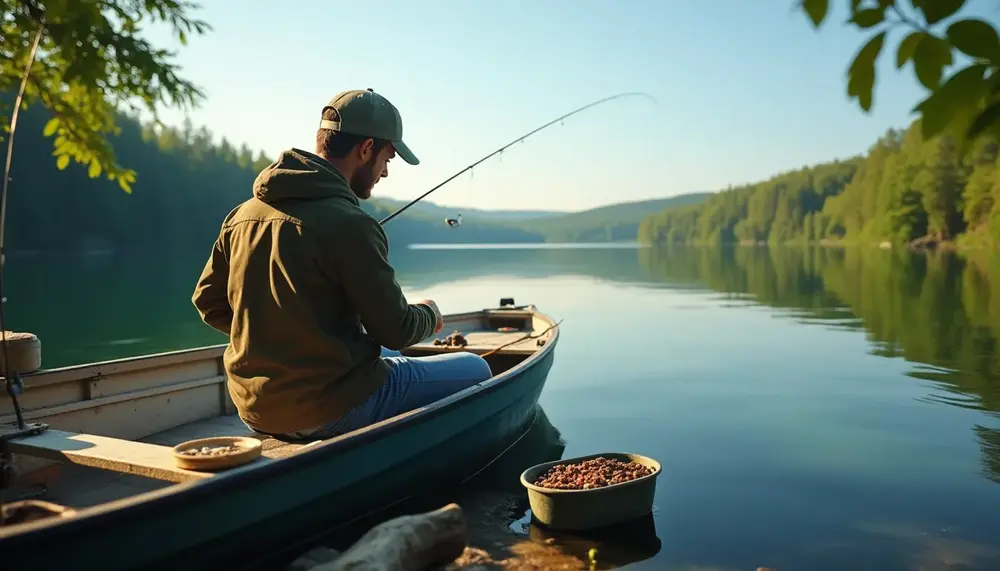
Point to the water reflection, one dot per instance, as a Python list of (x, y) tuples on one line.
[(932, 549), (989, 441), (619, 545), (784, 450), (940, 312)]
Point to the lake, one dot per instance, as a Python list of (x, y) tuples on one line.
[(812, 408)]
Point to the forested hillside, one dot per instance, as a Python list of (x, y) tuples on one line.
[(614, 223), (905, 190), (185, 186), (787, 207)]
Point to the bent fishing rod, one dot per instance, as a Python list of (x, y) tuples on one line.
[(512, 143)]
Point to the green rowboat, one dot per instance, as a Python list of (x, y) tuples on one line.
[(112, 496)]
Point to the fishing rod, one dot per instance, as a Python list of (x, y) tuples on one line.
[(503, 148), (9, 381)]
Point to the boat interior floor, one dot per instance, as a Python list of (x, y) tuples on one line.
[(80, 486)]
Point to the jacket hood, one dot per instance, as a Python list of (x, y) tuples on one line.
[(301, 174)]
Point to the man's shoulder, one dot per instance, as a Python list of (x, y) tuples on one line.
[(342, 222), (313, 212), (329, 219), (337, 214)]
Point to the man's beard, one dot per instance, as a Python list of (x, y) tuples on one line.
[(363, 179)]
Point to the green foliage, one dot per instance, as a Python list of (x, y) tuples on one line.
[(189, 184), (785, 208), (91, 63), (907, 190), (966, 104)]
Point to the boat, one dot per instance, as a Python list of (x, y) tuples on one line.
[(113, 497)]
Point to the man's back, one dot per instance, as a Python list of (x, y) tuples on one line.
[(295, 272)]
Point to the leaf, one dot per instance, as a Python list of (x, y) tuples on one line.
[(906, 48), (975, 38), (861, 75), (816, 10), (62, 162), (125, 180), (987, 120), (930, 57), (937, 10), (50, 127), (95, 168), (962, 91), (868, 17)]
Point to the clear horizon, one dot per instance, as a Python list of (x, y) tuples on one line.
[(744, 92)]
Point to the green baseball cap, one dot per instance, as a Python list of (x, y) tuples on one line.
[(366, 113)]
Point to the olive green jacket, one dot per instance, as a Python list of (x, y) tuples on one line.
[(300, 281)]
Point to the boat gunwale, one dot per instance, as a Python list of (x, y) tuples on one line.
[(83, 371), (139, 504)]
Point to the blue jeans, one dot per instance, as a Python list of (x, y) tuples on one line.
[(413, 382)]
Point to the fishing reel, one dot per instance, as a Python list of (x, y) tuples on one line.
[(454, 222)]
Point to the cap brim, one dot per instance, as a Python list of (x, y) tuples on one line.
[(405, 153)]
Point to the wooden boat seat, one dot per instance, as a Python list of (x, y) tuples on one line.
[(113, 454)]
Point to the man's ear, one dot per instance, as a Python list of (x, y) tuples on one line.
[(365, 149)]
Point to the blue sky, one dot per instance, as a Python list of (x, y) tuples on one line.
[(745, 89)]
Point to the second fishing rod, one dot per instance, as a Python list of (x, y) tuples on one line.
[(512, 143)]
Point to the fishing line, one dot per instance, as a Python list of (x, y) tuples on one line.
[(561, 120)]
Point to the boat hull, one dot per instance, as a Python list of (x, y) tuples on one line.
[(221, 521)]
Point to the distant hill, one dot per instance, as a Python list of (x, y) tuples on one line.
[(613, 223), (433, 210), (417, 226)]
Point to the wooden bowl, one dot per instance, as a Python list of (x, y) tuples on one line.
[(247, 450)]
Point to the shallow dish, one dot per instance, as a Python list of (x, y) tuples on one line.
[(245, 450), (595, 507)]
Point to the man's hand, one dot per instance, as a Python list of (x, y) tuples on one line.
[(437, 312)]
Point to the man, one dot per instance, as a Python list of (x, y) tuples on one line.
[(300, 281)]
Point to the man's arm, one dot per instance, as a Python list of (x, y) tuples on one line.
[(360, 261), (211, 296)]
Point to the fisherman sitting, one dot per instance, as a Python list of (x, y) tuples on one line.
[(300, 281)]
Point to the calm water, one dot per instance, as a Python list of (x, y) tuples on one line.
[(813, 409)]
